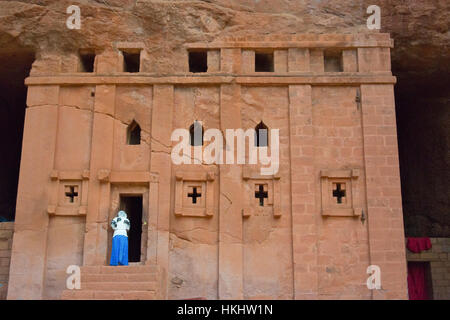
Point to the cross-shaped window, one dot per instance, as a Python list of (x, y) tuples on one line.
[(71, 193), (261, 194), (339, 192), (194, 195)]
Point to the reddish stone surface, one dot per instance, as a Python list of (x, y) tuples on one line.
[(299, 245), (75, 133)]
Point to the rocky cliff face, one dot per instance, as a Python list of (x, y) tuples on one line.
[(420, 59), (420, 28)]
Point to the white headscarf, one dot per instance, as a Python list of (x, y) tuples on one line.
[(120, 224)]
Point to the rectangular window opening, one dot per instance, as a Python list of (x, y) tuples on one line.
[(132, 205), (198, 61), (264, 62), (333, 61), (87, 60), (131, 61)]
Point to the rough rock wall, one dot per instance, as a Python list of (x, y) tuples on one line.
[(420, 28), (420, 59), (424, 161)]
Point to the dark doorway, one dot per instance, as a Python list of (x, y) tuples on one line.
[(132, 205), (420, 285), (15, 65)]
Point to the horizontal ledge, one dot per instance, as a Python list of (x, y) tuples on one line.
[(265, 79), (132, 177), (107, 176), (293, 44), (337, 212), (351, 173), (72, 211), (69, 175), (193, 212), (318, 80), (80, 79)]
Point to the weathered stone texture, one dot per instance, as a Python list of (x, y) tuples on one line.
[(76, 130)]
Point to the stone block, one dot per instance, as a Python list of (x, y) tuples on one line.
[(298, 60)]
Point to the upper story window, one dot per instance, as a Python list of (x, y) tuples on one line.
[(198, 61), (333, 61), (134, 134), (264, 62), (261, 135), (87, 61), (196, 134), (131, 60)]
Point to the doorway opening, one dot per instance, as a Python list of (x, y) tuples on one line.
[(420, 285), (132, 205)]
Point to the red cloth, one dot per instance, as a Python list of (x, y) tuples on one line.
[(417, 245), (417, 287)]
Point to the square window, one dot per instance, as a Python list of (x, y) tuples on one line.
[(333, 61), (264, 62), (198, 61), (131, 61), (71, 193), (194, 194), (340, 195), (87, 60)]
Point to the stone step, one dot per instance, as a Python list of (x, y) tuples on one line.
[(120, 286), (108, 295), (118, 269), (119, 277)]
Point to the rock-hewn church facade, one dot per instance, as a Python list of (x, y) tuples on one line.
[(97, 139)]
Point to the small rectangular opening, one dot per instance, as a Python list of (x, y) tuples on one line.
[(264, 62), (333, 61), (87, 60), (131, 61), (198, 61), (132, 205)]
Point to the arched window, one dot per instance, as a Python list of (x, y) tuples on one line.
[(134, 134), (196, 134), (261, 135)]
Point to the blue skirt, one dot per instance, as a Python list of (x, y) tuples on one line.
[(119, 252)]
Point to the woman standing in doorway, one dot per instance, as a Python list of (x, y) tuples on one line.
[(119, 252)]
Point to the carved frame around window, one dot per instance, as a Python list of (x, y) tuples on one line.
[(253, 178), (204, 182), (339, 193)]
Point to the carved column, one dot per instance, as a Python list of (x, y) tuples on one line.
[(304, 224), (28, 256), (96, 238), (230, 204), (384, 201), (161, 163)]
